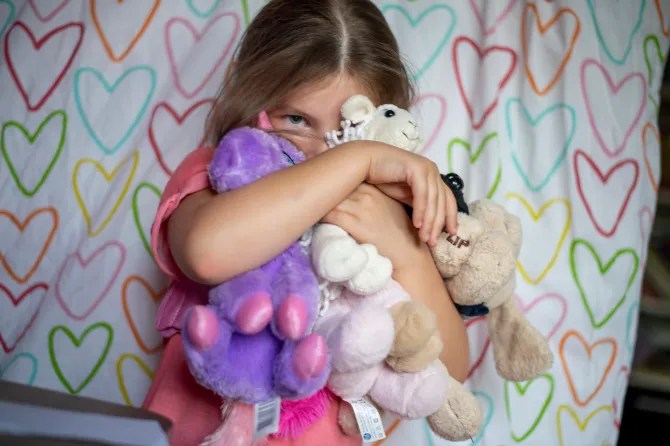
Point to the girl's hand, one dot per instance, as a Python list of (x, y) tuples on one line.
[(370, 216), (415, 180)]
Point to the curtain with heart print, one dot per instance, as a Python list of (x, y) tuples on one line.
[(547, 107)]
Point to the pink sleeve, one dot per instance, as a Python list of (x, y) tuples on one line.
[(189, 177)]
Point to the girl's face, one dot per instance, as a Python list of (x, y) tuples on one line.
[(306, 115)]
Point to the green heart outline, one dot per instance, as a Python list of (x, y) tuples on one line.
[(474, 157), (521, 389), (77, 342), (603, 269), (31, 139), (136, 212)]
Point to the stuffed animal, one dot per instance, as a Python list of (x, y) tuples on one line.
[(253, 340), (383, 344), (479, 268)]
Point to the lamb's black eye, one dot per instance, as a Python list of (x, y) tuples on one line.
[(389, 113)]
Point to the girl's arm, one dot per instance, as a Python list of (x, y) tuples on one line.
[(214, 237), (372, 217)]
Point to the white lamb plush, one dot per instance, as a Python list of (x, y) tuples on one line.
[(337, 257)]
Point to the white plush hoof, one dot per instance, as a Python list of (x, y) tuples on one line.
[(374, 276), (341, 259)]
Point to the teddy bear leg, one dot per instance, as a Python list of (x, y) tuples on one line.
[(302, 367), (411, 395), (244, 301), (295, 295), (415, 326), (235, 366), (460, 417)]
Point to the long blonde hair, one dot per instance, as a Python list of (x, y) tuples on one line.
[(293, 43)]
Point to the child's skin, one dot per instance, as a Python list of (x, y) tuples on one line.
[(208, 232)]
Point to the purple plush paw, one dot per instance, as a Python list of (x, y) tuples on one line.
[(254, 314), (292, 318), (302, 367), (310, 356), (202, 327)]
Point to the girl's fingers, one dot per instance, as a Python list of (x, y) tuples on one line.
[(419, 204), (441, 206), (431, 211), (452, 214)]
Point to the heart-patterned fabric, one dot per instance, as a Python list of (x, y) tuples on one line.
[(547, 107)]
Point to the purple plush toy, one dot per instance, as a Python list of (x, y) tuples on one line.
[(252, 341)]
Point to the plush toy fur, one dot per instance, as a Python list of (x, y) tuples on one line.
[(480, 270), (383, 344), (253, 340)]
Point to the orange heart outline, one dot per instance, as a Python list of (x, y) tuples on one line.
[(543, 28), (156, 296), (22, 226), (135, 39), (589, 348)]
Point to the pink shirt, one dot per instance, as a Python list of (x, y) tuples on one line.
[(182, 293)]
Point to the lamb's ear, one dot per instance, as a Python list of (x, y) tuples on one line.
[(357, 108)]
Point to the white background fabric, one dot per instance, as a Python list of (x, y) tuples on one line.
[(548, 108)]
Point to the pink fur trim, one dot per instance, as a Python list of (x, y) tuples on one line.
[(264, 121), (298, 416)]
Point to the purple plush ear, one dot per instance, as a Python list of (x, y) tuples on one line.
[(243, 156)]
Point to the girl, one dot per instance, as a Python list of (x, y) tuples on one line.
[(296, 64)]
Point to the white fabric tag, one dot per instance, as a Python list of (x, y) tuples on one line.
[(369, 421), (266, 417)]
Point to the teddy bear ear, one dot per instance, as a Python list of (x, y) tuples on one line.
[(358, 108)]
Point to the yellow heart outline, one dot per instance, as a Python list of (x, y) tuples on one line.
[(119, 374), (536, 216), (575, 418), (108, 178)]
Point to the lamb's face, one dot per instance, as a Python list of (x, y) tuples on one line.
[(395, 126)]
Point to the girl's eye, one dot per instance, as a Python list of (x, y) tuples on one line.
[(296, 119)]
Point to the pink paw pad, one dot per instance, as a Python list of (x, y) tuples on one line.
[(254, 314), (202, 327), (292, 318), (310, 356)]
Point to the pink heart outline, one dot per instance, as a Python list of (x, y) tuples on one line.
[(51, 15), (525, 308), (443, 114), (16, 302), (197, 37), (37, 44), (84, 262), (482, 55), (477, 360), (179, 120), (603, 180), (614, 90), (480, 19)]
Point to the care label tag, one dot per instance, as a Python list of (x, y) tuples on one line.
[(369, 421), (266, 417)]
